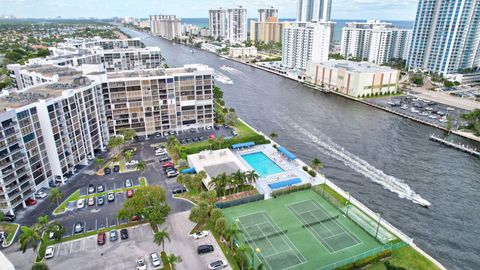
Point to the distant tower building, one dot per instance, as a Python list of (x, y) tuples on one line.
[(237, 24), (166, 26), (314, 10), (265, 13), (446, 36), (305, 42), (217, 22)]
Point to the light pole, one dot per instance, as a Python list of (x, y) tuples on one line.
[(348, 202), (257, 250), (378, 224)]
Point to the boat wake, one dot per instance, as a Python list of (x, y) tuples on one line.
[(230, 69), (326, 145), (222, 78)]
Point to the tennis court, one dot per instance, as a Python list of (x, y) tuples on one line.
[(298, 231), (324, 226), (278, 252)]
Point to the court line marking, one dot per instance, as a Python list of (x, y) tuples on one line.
[(256, 254)]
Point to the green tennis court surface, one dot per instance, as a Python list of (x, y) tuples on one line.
[(298, 231)]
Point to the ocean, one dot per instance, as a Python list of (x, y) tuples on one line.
[(203, 22)]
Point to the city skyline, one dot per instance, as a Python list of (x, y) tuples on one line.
[(341, 9)]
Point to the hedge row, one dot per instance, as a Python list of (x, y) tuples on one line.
[(368, 260), (290, 189), (246, 199)]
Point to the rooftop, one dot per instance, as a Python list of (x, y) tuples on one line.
[(51, 70), (158, 72), (362, 67)]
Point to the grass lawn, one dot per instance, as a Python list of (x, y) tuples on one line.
[(10, 229), (243, 129), (228, 253), (61, 208), (407, 258), (191, 195)]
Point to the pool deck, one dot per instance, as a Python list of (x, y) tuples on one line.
[(292, 168)]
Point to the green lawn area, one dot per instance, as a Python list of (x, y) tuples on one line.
[(407, 258), (10, 229), (300, 246), (76, 195)]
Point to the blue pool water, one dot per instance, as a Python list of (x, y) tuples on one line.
[(285, 183), (262, 164)]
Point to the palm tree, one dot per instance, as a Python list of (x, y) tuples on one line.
[(316, 164), (159, 238), (173, 147), (98, 162), (141, 166), (231, 233), (273, 135), (219, 182), (243, 252), (238, 179), (220, 141), (252, 177), (55, 195), (30, 237), (172, 260), (211, 143)]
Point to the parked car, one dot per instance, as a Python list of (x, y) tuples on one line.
[(130, 193), (80, 203), (107, 170), (202, 249), (141, 264), (167, 164), (78, 228), (40, 195), (208, 127), (101, 238), (111, 197), (218, 265), (91, 189), (101, 188), (179, 190), (49, 252), (199, 235), (172, 173), (30, 202), (192, 130), (128, 183), (234, 133), (131, 162), (52, 184), (155, 259), (116, 168), (160, 153), (9, 217), (100, 200), (113, 235), (89, 157), (135, 218), (91, 201), (124, 234), (164, 157)]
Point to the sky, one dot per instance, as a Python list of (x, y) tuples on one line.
[(341, 9)]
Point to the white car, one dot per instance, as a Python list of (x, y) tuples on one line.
[(199, 235), (49, 252), (218, 265), (40, 195), (80, 204), (450, 109), (155, 259), (132, 162), (141, 264), (89, 157), (160, 152)]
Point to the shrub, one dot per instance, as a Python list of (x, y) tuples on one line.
[(39, 266), (164, 257), (312, 173), (366, 261), (290, 189), (305, 168), (390, 266)]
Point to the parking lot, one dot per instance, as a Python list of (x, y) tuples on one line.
[(422, 109), (85, 253)]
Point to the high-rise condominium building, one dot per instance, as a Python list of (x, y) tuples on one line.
[(265, 13), (166, 26), (237, 24), (314, 10), (267, 31), (374, 41), (217, 22), (304, 42), (446, 36)]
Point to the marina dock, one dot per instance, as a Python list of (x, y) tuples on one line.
[(461, 147)]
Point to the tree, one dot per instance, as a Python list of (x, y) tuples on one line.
[(2, 215), (221, 225), (173, 259), (219, 142), (128, 154), (55, 195), (273, 135), (238, 179), (252, 177), (242, 253), (30, 237), (316, 164), (57, 229), (449, 123), (173, 147), (98, 162), (200, 213), (160, 237), (149, 202), (141, 166), (219, 183), (42, 222), (231, 119), (231, 232), (127, 133), (215, 215), (208, 196), (114, 143), (39, 266)]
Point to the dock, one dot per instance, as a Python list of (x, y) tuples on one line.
[(461, 147)]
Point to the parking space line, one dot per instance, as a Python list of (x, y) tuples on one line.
[(85, 240), (58, 249), (96, 225), (71, 244), (73, 229), (114, 186), (106, 224)]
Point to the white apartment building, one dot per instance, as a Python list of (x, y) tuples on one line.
[(243, 52), (314, 10), (304, 42), (265, 13), (374, 41), (357, 79), (217, 23), (446, 36), (166, 26), (236, 25)]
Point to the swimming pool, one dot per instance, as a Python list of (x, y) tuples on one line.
[(262, 164)]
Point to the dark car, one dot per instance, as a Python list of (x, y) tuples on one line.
[(204, 249), (183, 141), (116, 168), (216, 127), (188, 140), (52, 184), (107, 170), (113, 235), (179, 190), (124, 234), (164, 158), (195, 139), (101, 237), (9, 217), (101, 200), (192, 130)]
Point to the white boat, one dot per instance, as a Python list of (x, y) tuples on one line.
[(223, 79), (192, 51), (225, 67)]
